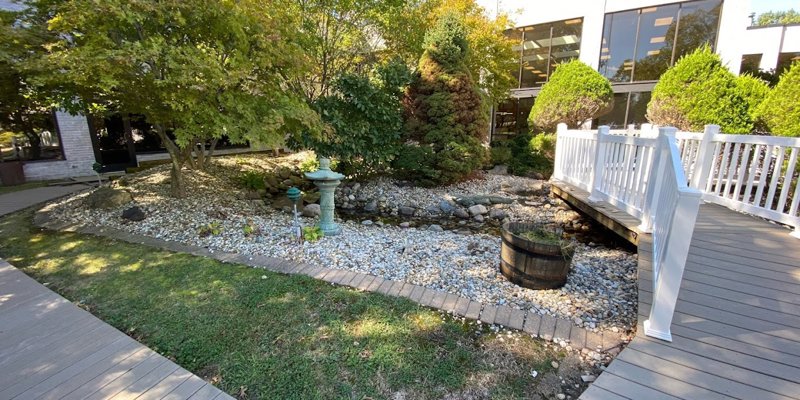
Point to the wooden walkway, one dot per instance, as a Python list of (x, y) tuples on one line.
[(51, 349), (736, 329)]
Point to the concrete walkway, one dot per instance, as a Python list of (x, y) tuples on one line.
[(15, 201), (51, 349)]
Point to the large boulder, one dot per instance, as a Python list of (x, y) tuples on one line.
[(478, 209), (107, 198)]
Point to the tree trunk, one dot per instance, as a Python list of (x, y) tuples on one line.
[(177, 186)]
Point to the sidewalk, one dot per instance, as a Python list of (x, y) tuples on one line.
[(15, 201)]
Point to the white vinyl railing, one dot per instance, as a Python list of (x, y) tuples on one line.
[(642, 173), (748, 173)]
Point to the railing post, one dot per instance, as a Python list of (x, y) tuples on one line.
[(558, 172), (599, 165), (653, 184), (646, 131), (704, 162), (670, 275), (670, 262)]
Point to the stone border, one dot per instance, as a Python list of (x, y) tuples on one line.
[(546, 327)]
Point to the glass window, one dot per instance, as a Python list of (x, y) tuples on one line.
[(542, 47), (653, 49), (637, 109), (516, 36), (616, 118), (535, 55), (629, 108), (639, 45), (618, 45), (505, 117), (34, 137), (524, 106), (511, 117), (697, 26), (785, 61), (750, 63), (565, 44)]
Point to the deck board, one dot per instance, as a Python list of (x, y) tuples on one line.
[(51, 349), (736, 329)]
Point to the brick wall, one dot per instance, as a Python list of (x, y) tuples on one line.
[(76, 143)]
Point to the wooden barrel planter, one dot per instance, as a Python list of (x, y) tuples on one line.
[(530, 263)]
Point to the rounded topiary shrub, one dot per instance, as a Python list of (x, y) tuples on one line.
[(447, 120), (574, 94), (699, 90), (780, 111), (753, 90)]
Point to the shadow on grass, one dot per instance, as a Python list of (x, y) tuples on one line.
[(258, 334)]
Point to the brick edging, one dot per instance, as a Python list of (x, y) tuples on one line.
[(545, 326)]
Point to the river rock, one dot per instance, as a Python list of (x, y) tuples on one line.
[(478, 209), (435, 228), (133, 214), (311, 210), (497, 213), (106, 197), (406, 210), (461, 213), (372, 206), (446, 207)]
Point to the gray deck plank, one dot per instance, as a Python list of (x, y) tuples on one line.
[(662, 383), (51, 349), (736, 329)]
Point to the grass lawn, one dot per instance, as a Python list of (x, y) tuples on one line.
[(259, 335)]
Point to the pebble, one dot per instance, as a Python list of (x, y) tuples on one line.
[(600, 293)]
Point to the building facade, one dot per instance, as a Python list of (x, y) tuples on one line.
[(630, 42)]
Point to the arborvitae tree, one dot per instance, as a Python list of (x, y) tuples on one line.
[(699, 90), (575, 93), (780, 111), (447, 123), (753, 90)]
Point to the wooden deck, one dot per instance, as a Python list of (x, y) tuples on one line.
[(51, 349), (736, 329)]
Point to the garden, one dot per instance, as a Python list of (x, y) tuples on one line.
[(423, 199)]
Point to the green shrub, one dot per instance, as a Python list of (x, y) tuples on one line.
[(366, 119), (699, 90), (575, 93), (780, 111), (501, 155), (447, 118), (753, 90), (312, 233), (418, 164), (528, 155), (5, 138), (544, 144), (252, 180)]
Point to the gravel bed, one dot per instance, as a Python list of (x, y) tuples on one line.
[(600, 294)]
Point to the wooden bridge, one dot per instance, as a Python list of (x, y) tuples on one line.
[(733, 327)]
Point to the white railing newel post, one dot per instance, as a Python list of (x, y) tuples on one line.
[(558, 172), (653, 187), (704, 163), (596, 193)]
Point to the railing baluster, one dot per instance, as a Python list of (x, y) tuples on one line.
[(752, 173), (788, 176), (742, 170), (732, 169), (722, 168), (762, 176), (776, 174)]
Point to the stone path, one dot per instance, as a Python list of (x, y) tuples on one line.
[(51, 349), (15, 201), (544, 326)]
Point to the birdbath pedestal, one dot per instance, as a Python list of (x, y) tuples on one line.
[(326, 181)]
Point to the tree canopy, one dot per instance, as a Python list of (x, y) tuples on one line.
[(491, 57), (200, 69), (778, 18)]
